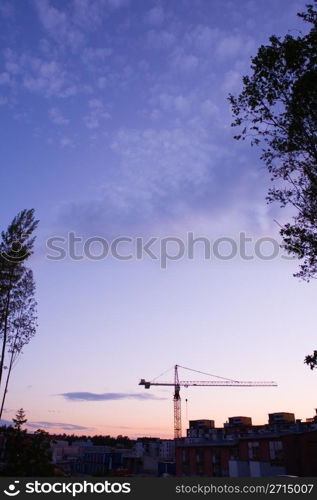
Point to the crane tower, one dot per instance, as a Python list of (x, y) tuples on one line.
[(177, 384)]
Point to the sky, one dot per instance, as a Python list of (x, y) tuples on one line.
[(116, 124)]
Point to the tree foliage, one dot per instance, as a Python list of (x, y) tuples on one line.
[(311, 360), (26, 454), (277, 109), (19, 419), (17, 304), (22, 323)]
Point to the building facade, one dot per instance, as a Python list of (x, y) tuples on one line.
[(284, 446)]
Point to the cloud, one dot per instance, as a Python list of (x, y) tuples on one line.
[(4, 78), (49, 425), (155, 16), (173, 103), (182, 61), (88, 14), (165, 179), (66, 142), (161, 160), (96, 55), (70, 26), (6, 422), (102, 82), (58, 24), (208, 108), (232, 81), (57, 425), (47, 76), (97, 113), (233, 45), (201, 38), (57, 117), (116, 4), (108, 396), (161, 39), (158, 174)]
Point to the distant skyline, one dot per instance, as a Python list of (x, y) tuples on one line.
[(115, 123)]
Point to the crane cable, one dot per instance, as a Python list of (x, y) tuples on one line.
[(169, 369), (209, 374)]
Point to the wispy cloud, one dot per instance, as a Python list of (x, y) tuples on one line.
[(159, 174), (96, 55), (66, 142), (155, 16), (47, 76), (49, 425), (97, 113), (58, 24), (107, 396), (69, 27), (6, 422), (233, 45), (57, 425), (57, 117), (116, 4)]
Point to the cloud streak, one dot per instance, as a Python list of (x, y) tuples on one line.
[(49, 425), (57, 425), (107, 396)]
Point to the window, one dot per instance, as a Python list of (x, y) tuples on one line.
[(276, 450), (254, 450), (199, 456)]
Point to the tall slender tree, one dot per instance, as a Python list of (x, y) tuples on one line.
[(16, 246), (22, 323)]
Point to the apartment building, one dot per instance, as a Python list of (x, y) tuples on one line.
[(283, 446)]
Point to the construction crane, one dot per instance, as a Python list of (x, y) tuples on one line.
[(177, 384)]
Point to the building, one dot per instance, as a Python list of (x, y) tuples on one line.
[(98, 462), (147, 446), (281, 418), (202, 430), (239, 422), (82, 458), (167, 449), (283, 446), (157, 456)]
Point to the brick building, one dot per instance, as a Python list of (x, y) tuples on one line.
[(284, 446)]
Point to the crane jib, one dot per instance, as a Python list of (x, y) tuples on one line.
[(210, 383), (177, 384)]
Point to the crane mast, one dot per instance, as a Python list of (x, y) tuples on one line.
[(177, 406), (177, 384)]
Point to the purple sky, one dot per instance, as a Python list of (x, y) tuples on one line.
[(115, 123)]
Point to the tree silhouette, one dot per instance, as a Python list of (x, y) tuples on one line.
[(16, 246), (19, 419), (22, 323), (277, 109), (26, 454)]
